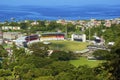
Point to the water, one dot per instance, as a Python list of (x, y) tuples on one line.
[(58, 12)]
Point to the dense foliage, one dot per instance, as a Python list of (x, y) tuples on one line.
[(62, 56), (110, 34)]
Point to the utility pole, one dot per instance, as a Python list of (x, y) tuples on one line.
[(89, 35), (66, 32), (29, 35)]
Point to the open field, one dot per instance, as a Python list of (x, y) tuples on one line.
[(68, 45), (83, 61)]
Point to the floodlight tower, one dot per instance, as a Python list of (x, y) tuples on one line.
[(1, 36)]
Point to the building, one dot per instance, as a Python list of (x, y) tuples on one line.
[(52, 36), (61, 21), (11, 28), (35, 23), (11, 35), (108, 23), (78, 37), (25, 40)]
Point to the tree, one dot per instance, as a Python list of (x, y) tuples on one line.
[(0, 65), (5, 73), (39, 49), (60, 66), (14, 24), (17, 53), (3, 52), (109, 35), (45, 78), (24, 25), (112, 65), (42, 72), (37, 61), (62, 55), (115, 62), (102, 54), (70, 27), (52, 26), (65, 76), (84, 73)]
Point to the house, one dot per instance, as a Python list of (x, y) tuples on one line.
[(108, 23), (63, 22), (35, 23)]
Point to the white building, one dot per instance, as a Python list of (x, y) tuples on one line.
[(78, 37), (11, 28)]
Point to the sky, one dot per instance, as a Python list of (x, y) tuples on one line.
[(59, 2)]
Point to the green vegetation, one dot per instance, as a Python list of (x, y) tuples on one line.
[(37, 65), (3, 52), (62, 56), (7, 45), (68, 45), (84, 61), (39, 49), (108, 33)]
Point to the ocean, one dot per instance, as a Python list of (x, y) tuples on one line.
[(58, 12)]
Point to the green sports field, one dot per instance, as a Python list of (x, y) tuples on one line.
[(68, 45), (83, 61)]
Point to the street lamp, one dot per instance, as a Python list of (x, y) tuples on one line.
[(1, 36), (66, 32), (29, 34)]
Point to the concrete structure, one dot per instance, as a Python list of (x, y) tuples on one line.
[(78, 37)]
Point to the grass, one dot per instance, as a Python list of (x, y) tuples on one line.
[(7, 46), (83, 61), (68, 45)]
